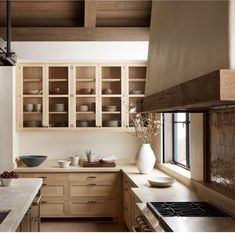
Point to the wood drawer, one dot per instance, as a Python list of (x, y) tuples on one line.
[(52, 208), (54, 190), (85, 178), (45, 176), (93, 208), (92, 190), (51, 176)]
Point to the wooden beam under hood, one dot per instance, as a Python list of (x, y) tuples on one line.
[(199, 94)]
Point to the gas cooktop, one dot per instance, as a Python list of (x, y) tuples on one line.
[(185, 209)]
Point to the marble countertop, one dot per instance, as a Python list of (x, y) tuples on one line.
[(17, 198)]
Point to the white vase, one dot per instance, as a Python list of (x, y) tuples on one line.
[(145, 159)]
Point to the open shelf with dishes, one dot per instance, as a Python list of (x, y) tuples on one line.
[(75, 96)]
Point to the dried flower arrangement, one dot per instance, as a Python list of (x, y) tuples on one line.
[(147, 125)]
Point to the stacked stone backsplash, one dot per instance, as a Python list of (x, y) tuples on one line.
[(222, 132)]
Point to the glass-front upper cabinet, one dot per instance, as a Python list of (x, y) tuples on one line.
[(86, 95), (31, 93), (58, 96), (112, 96)]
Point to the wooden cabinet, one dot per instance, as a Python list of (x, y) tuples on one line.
[(129, 202), (75, 96), (78, 194)]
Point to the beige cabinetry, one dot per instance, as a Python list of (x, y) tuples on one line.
[(79, 194), (129, 202), (75, 96)]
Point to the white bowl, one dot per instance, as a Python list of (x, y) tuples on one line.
[(7, 182), (161, 181), (64, 163), (33, 92), (83, 108)]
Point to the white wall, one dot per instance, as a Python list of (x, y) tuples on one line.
[(8, 136), (63, 144), (80, 51)]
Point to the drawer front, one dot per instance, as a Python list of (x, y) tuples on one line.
[(52, 208), (93, 208), (85, 178), (51, 176), (93, 190), (53, 190)]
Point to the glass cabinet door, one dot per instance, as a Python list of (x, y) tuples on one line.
[(58, 96), (32, 96), (86, 95), (111, 96)]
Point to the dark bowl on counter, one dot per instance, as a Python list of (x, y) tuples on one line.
[(33, 160)]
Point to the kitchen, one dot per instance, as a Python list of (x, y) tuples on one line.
[(174, 66)]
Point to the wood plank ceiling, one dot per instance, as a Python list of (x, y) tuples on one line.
[(80, 20)]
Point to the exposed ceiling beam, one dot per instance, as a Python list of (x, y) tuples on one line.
[(78, 34), (90, 13)]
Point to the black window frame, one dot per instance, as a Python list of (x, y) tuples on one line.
[(187, 144)]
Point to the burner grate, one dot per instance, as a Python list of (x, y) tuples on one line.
[(186, 209)]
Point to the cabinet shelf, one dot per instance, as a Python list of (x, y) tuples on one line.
[(137, 80), (58, 96), (85, 79), (32, 96), (34, 113), (111, 80), (32, 80), (106, 112), (58, 80), (88, 112), (83, 95), (137, 96), (113, 95), (58, 113)]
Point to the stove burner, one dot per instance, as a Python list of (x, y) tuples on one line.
[(185, 209)]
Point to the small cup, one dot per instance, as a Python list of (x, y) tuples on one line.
[(29, 107), (38, 107), (75, 160)]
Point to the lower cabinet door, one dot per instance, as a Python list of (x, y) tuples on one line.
[(52, 208), (93, 208)]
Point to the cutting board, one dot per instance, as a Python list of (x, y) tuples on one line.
[(98, 164)]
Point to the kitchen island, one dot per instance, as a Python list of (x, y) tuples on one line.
[(17, 198)]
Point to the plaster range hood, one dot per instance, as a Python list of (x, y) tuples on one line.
[(7, 57), (197, 95)]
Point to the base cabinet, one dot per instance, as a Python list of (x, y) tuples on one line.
[(78, 194), (129, 203)]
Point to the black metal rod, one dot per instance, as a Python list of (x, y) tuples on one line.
[(8, 28)]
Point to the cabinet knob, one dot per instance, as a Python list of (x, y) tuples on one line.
[(43, 202)]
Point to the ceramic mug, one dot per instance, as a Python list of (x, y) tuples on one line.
[(38, 107), (29, 107), (75, 160)]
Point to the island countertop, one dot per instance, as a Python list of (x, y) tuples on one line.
[(17, 198)]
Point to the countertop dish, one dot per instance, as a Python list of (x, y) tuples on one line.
[(22, 189)]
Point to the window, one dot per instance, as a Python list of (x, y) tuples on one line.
[(176, 137)]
